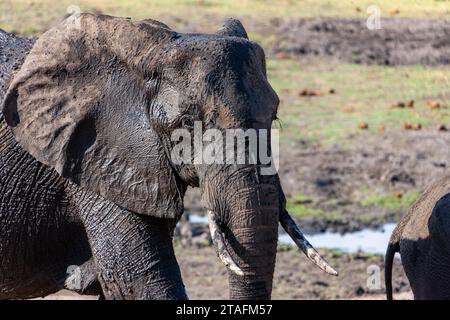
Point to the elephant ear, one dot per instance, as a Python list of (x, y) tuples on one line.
[(80, 104)]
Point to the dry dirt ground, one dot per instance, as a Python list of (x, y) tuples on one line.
[(398, 41)]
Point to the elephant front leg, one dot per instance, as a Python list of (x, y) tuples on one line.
[(133, 254)]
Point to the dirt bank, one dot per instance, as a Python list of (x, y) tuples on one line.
[(400, 41)]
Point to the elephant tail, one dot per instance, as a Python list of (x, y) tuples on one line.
[(393, 247)]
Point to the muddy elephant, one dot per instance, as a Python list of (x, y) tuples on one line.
[(87, 174), (423, 239)]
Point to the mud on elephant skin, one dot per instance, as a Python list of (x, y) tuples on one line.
[(92, 111), (423, 239)]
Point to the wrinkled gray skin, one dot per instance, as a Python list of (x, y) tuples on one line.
[(85, 174), (423, 239)]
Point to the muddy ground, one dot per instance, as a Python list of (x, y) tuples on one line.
[(295, 277), (337, 175), (399, 41)]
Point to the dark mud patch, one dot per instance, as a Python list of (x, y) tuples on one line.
[(400, 41)]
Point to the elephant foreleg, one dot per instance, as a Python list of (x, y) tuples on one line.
[(133, 254)]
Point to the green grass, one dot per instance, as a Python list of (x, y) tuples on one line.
[(363, 93), (366, 256), (390, 201), (301, 206), (21, 15)]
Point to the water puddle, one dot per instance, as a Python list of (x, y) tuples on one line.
[(196, 218), (367, 240)]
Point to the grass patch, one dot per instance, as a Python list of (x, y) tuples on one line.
[(366, 256), (390, 201), (362, 93), (301, 206)]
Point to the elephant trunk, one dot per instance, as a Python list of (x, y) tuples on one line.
[(244, 229), (255, 235), (245, 209)]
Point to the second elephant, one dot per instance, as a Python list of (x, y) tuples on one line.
[(423, 239)]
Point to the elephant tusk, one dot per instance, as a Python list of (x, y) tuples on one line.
[(294, 232), (219, 244)]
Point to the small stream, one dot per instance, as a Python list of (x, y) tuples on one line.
[(367, 240)]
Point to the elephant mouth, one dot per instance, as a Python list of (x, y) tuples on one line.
[(291, 228)]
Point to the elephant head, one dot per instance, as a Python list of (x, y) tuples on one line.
[(99, 98)]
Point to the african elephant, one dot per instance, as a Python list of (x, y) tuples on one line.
[(423, 239), (87, 176)]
